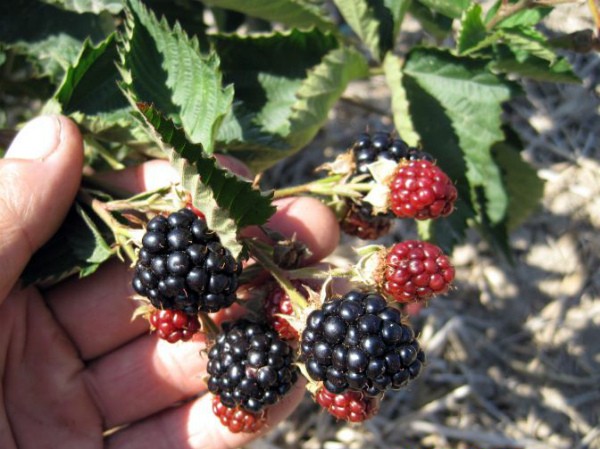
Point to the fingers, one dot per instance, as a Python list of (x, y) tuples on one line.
[(159, 173), (146, 376), (194, 426), (311, 221), (39, 177)]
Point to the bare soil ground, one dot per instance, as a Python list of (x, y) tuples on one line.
[(513, 351)]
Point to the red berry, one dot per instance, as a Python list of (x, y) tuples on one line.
[(416, 271), (353, 406), (174, 325), (278, 303), (421, 190), (236, 419)]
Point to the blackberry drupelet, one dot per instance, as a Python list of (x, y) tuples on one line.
[(183, 266), (358, 342), (250, 366)]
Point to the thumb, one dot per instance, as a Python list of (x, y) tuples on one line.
[(39, 177)]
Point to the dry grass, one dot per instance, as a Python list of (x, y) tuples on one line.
[(513, 351)]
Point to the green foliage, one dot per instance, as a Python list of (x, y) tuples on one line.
[(228, 202), (152, 79)]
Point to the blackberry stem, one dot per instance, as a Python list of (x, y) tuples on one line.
[(121, 233), (260, 255), (329, 186)]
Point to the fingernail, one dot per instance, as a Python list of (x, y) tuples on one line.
[(37, 140)]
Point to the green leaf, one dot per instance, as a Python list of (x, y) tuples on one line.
[(163, 66), (450, 8), (439, 138), (537, 69), (525, 189), (472, 98), (293, 13), (527, 53), (79, 246), (527, 17), (228, 202), (376, 22), (472, 29), (321, 89), (285, 85), (268, 70), (93, 6), (392, 66), (49, 36), (438, 25), (90, 84)]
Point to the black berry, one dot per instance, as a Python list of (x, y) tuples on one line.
[(358, 342), (183, 266), (250, 367)]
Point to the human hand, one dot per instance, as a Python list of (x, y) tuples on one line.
[(73, 364)]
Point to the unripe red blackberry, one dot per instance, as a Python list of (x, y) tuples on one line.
[(419, 189), (174, 325), (415, 271), (237, 419), (183, 266), (352, 406), (359, 220), (278, 303), (250, 366), (358, 342)]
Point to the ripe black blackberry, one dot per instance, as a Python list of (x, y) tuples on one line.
[(183, 266), (358, 342), (250, 366), (366, 149)]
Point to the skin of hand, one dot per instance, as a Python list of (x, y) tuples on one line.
[(73, 363)]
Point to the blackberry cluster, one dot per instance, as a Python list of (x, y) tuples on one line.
[(183, 266), (250, 366), (358, 342), (366, 149)]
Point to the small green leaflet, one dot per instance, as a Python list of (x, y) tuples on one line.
[(285, 85), (50, 37), (293, 13), (525, 189), (450, 8), (163, 66), (528, 17), (78, 246), (228, 202), (375, 22), (392, 67), (90, 84), (438, 25), (472, 29), (93, 6)]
